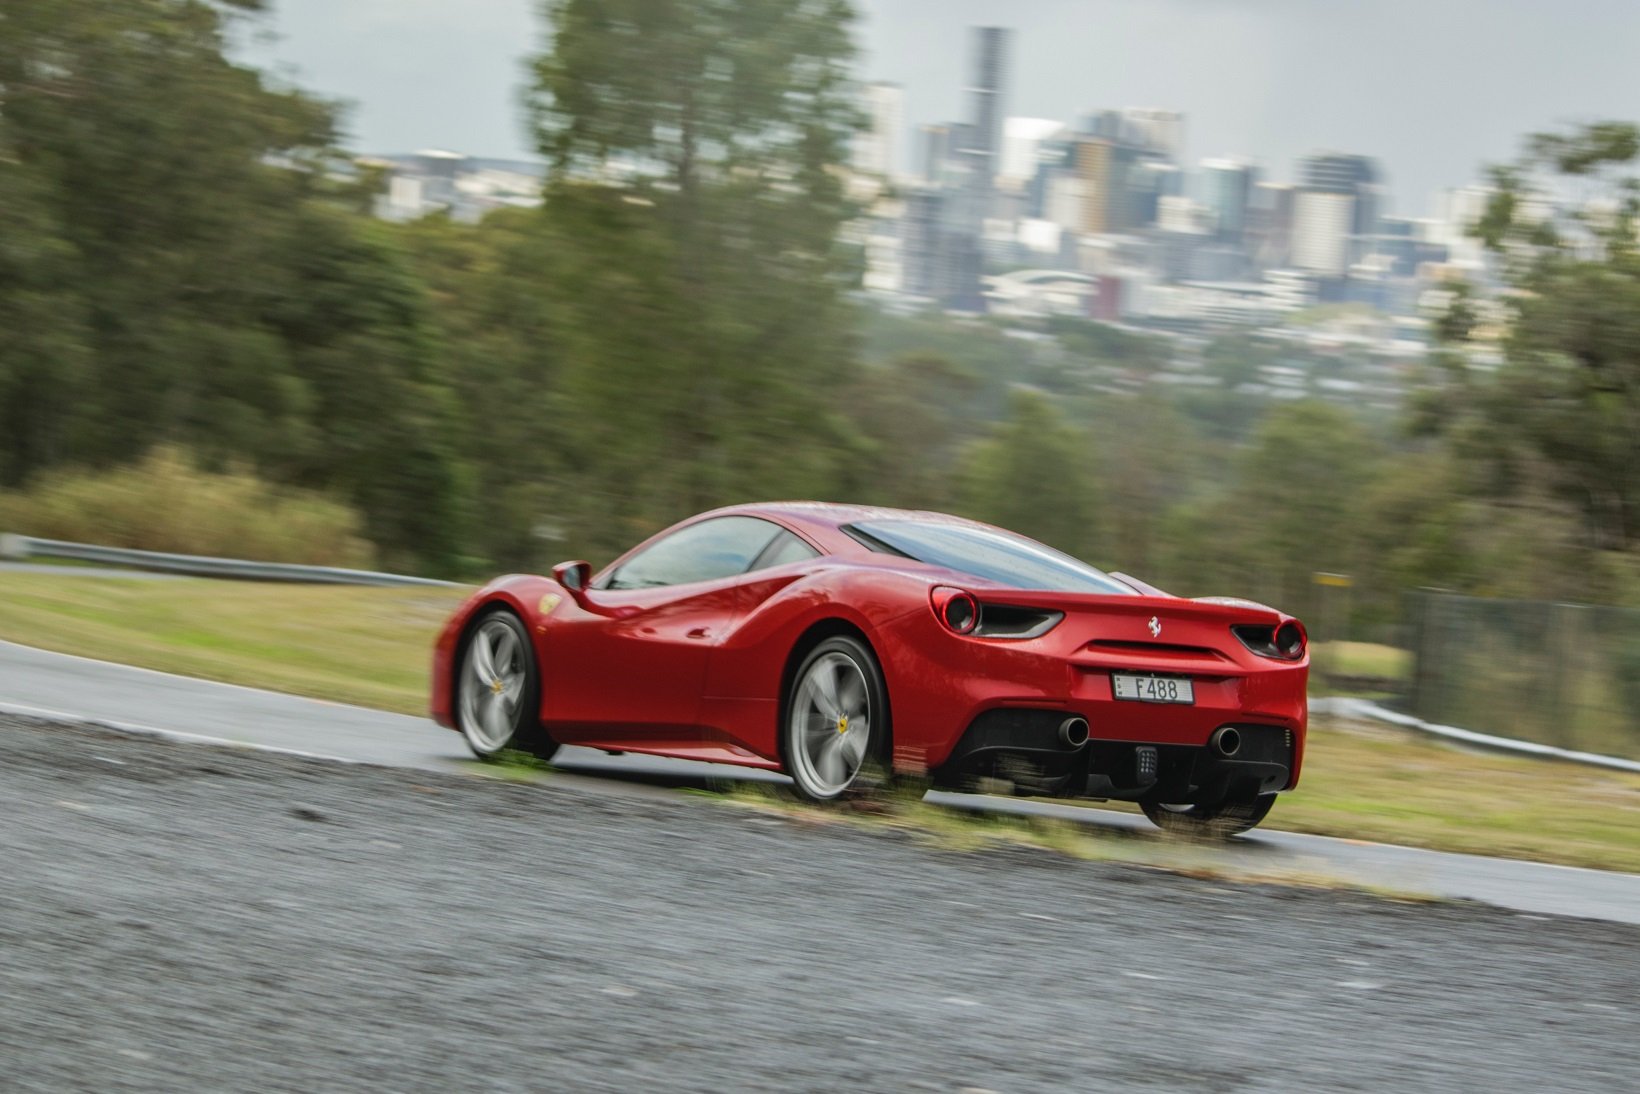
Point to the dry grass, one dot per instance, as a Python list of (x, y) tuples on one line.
[(372, 647), (165, 503)]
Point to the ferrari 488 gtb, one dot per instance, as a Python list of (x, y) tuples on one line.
[(827, 641)]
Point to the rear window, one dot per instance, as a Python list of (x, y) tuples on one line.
[(986, 553)]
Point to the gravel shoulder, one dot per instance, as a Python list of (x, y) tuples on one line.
[(181, 917)]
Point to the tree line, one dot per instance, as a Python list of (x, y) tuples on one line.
[(188, 259)]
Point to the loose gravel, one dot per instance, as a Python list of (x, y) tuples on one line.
[(182, 917)]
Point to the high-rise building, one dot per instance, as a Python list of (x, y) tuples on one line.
[(987, 89), (1338, 204), (1322, 222), (1344, 173), (1022, 142), (920, 239), (934, 145), (877, 148), (1146, 128), (970, 173), (1106, 171), (1269, 233), (1155, 130), (1153, 179), (1226, 189), (940, 257)]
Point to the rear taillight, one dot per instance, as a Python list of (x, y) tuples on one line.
[(962, 613), (1285, 642), (1290, 640), (958, 610)]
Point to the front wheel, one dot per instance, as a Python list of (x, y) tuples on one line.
[(836, 718), (498, 690), (1219, 821)]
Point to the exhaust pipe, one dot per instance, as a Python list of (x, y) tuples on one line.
[(1226, 741), (1073, 732)]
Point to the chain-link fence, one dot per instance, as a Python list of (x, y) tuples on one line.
[(1561, 674)]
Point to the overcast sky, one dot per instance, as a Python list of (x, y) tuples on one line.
[(1433, 88)]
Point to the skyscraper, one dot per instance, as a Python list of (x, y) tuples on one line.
[(1337, 201), (1321, 232), (1110, 200), (1344, 173), (1227, 186), (986, 91), (877, 149), (1269, 234), (977, 148), (933, 152)]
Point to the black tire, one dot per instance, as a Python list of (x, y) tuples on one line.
[(809, 717), (497, 706), (1214, 822)]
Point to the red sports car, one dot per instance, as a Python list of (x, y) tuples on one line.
[(826, 640)]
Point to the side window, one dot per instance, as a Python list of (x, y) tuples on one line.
[(713, 549), (785, 548)]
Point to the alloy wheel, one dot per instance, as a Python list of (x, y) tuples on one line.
[(493, 677), (831, 721)]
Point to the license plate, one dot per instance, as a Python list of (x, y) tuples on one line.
[(1153, 689)]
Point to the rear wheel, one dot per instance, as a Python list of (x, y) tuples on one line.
[(498, 690), (1219, 821), (835, 722)]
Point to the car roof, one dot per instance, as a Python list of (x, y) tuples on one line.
[(824, 518)]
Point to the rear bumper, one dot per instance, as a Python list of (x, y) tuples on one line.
[(949, 691), (1025, 748)]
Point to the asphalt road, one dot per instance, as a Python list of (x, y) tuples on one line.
[(178, 918), (36, 682)]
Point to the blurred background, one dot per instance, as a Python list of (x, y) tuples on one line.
[(1335, 310)]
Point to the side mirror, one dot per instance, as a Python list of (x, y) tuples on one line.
[(574, 576)]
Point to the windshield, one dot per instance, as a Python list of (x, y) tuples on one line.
[(986, 553)]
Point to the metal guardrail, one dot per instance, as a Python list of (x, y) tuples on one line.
[(15, 547), (1363, 708)]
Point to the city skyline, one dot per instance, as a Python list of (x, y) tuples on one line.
[(1432, 89)]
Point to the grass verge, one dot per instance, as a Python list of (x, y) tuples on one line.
[(372, 647), (961, 830), (367, 646)]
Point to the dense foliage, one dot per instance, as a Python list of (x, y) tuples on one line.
[(178, 264), (186, 260)]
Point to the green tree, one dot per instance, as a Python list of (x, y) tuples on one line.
[(491, 300), (183, 267), (43, 355), (693, 210), (1033, 475), (1150, 462), (1294, 506), (1566, 403)]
